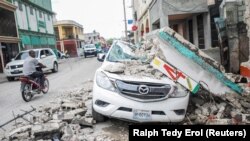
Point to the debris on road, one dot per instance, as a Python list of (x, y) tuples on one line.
[(65, 118)]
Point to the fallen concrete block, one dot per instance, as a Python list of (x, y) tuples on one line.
[(47, 129), (86, 131), (20, 130), (83, 121), (117, 68), (21, 136), (187, 58), (72, 105)]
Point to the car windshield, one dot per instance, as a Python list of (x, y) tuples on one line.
[(90, 46), (122, 51), (24, 55)]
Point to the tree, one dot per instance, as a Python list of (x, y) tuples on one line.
[(110, 41)]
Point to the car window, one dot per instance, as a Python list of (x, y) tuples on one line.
[(48, 53), (24, 55), (42, 53)]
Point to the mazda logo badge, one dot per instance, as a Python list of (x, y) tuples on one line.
[(143, 89)]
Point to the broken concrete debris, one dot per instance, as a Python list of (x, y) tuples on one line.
[(62, 119), (50, 124), (230, 109)]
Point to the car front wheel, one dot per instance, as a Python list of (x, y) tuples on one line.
[(55, 67), (98, 117), (10, 78)]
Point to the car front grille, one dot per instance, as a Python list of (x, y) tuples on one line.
[(16, 66), (131, 90), (16, 72)]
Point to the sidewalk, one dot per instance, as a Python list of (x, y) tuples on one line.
[(3, 78)]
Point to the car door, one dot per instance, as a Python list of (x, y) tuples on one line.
[(49, 59)]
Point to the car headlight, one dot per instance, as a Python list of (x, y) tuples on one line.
[(178, 92), (7, 67), (103, 81)]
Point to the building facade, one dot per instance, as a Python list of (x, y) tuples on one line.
[(92, 38), (8, 33), (35, 25), (235, 15), (69, 36), (190, 18)]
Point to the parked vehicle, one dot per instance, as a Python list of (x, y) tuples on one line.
[(140, 99), (62, 55), (30, 86), (89, 49), (102, 54), (44, 55)]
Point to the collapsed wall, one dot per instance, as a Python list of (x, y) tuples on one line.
[(187, 58)]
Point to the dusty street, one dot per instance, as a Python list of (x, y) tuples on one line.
[(72, 73)]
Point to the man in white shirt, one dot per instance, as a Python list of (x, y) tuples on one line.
[(29, 67)]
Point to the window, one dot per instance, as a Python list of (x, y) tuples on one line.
[(48, 17), (31, 10), (40, 14), (48, 53), (20, 6), (42, 53)]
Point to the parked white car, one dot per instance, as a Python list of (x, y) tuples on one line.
[(45, 56), (134, 98), (89, 49)]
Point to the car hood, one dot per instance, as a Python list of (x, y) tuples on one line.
[(16, 62), (134, 78)]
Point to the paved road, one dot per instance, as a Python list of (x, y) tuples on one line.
[(72, 73)]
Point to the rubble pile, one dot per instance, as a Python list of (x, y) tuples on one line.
[(205, 108), (67, 118), (140, 66)]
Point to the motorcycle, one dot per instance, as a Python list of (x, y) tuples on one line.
[(30, 86)]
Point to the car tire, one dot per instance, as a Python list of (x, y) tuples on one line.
[(98, 117), (55, 68), (85, 56), (10, 79), (95, 54)]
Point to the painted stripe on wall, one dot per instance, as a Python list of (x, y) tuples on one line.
[(191, 55)]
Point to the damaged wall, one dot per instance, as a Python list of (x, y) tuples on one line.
[(247, 17), (233, 13)]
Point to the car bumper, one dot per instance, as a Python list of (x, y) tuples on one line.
[(171, 107), (13, 73)]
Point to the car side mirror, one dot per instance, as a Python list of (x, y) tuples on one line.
[(101, 57), (43, 56), (13, 59)]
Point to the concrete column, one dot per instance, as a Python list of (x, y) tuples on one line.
[(247, 20), (74, 31), (207, 30), (162, 15), (1, 55), (60, 32), (195, 32), (62, 46)]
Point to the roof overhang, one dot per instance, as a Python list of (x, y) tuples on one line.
[(8, 6), (6, 39)]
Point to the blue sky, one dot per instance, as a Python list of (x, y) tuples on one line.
[(104, 16)]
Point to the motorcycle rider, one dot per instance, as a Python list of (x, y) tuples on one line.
[(29, 68)]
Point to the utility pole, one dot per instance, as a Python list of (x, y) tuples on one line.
[(125, 20)]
